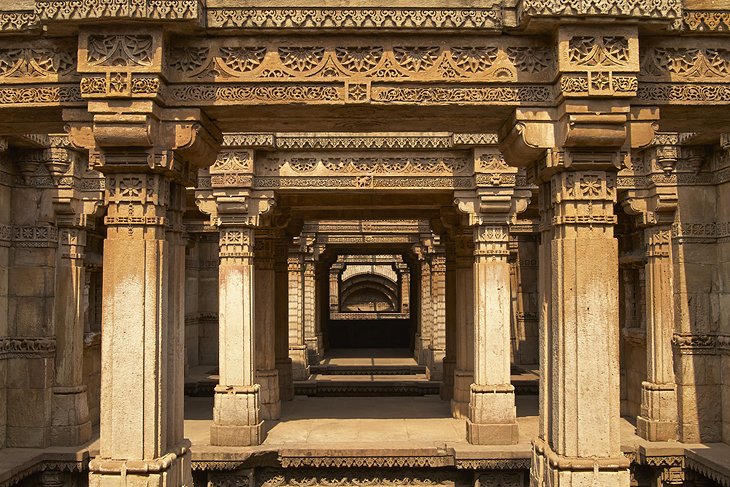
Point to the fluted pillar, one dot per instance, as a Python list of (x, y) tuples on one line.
[(236, 409), (658, 418), (492, 413)]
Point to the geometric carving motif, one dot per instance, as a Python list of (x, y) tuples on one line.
[(599, 51), (530, 59), (660, 9), (120, 50), (142, 9), (35, 62), (370, 165), (687, 62)]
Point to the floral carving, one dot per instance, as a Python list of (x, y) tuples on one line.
[(688, 62), (35, 62), (599, 51), (188, 59), (416, 59), (120, 50), (359, 59), (530, 59), (301, 58), (474, 59), (242, 59)]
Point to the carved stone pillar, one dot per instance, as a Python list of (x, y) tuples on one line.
[(70, 424), (464, 317), (438, 306), (283, 362), (334, 287), (265, 302), (583, 417), (425, 313), (492, 413), (447, 386), (312, 338), (236, 410), (141, 432), (297, 345), (658, 418), (404, 282)]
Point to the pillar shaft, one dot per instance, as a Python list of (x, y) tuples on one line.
[(312, 338), (438, 316), (334, 289), (283, 362), (141, 435), (70, 424), (265, 302), (583, 438), (464, 290), (425, 313), (297, 345), (492, 413), (447, 387), (658, 418), (236, 416)]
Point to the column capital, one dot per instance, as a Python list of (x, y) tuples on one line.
[(496, 207)]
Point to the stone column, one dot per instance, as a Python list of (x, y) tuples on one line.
[(297, 345), (438, 314), (141, 429), (312, 338), (447, 387), (70, 424), (283, 362), (464, 317), (236, 410), (334, 288), (404, 281), (426, 311), (658, 418), (583, 420), (265, 302), (492, 413)]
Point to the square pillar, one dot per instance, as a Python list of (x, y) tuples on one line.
[(70, 423), (236, 410), (141, 391), (312, 336), (658, 418), (580, 436), (492, 413), (297, 346), (281, 317), (464, 317), (265, 300), (438, 314), (425, 311), (447, 386)]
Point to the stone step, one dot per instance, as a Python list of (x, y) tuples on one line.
[(330, 369), (345, 388)]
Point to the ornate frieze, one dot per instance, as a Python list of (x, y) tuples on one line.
[(18, 21), (401, 19), (706, 20), (462, 60), (37, 61), (40, 95), (91, 10), (652, 9), (26, 347)]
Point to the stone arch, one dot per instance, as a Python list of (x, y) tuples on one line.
[(369, 293)]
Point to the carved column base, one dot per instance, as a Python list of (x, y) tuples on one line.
[(462, 390), (447, 386), (236, 416), (171, 470), (552, 470), (286, 385), (658, 418), (299, 364), (70, 424), (270, 404), (492, 415)]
